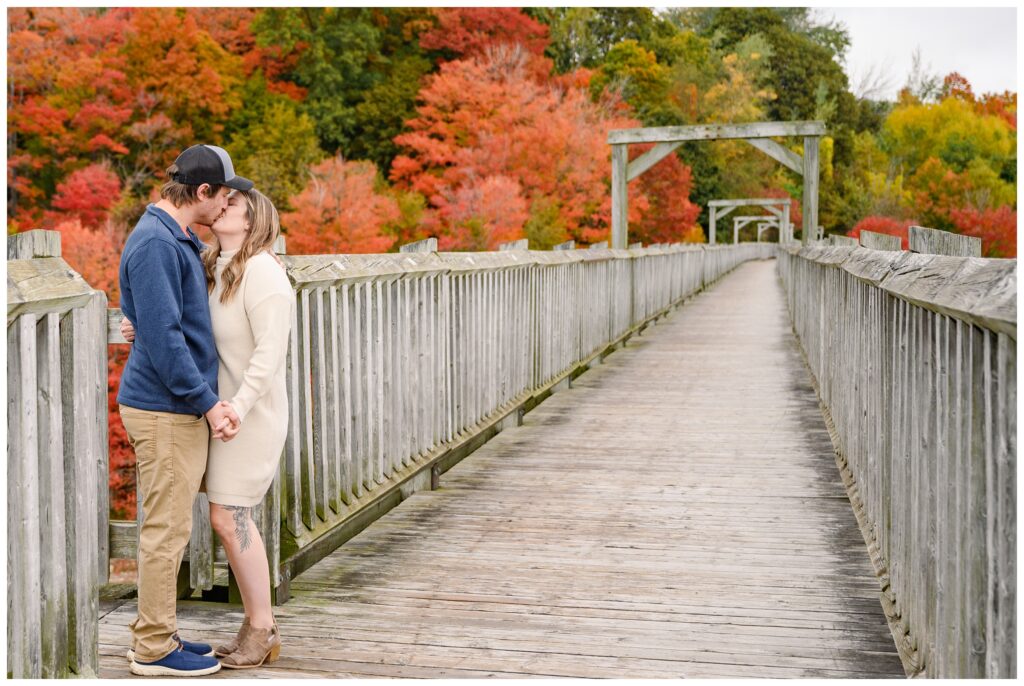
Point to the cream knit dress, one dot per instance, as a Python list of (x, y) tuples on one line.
[(251, 332)]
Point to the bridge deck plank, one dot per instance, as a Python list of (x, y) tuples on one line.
[(678, 512)]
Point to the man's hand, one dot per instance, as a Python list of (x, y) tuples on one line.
[(127, 330), (224, 421)]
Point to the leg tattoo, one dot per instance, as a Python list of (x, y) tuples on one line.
[(241, 517)]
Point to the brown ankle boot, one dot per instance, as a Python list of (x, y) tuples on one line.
[(258, 646), (226, 649)]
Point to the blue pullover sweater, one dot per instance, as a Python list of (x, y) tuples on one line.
[(173, 362)]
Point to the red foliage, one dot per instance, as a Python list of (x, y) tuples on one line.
[(88, 194), (671, 217), (467, 31), (122, 457), (996, 228), (340, 211), (886, 225)]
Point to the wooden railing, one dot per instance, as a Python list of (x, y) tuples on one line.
[(915, 360), (56, 461), (399, 365)]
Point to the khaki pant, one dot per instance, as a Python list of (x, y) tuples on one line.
[(170, 454)]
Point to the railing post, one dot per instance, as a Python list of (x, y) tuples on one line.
[(35, 243), (426, 245), (620, 196), (521, 244), (57, 461), (810, 196)]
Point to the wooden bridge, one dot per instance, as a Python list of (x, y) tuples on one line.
[(667, 461)]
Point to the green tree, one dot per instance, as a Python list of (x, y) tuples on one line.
[(276, 147), (360, 67), (583, 36), (643, 83)]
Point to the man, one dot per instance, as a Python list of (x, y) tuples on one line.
[(168, 395)]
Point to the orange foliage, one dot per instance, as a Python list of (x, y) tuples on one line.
[(479, 214), (938, 190), (340, 211), (488, 117)]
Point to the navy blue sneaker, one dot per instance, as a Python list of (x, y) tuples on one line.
[(179, 663), (190, 646)]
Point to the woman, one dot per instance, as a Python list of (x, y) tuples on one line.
[(251, 305)]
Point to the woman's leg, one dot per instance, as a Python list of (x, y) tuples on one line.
[(248, 559)]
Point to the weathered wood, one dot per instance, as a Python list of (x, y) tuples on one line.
[(780, 154), (739, 222), (82, 442), (43, 285), (922, 404), (521, 244), (280, 246), (568, 245), (749, 202), (425, 245), (601, 245), (26, 245), (839, 240), (620, 196), (650, 158), (935, 242), (114, 318), (52, 488), (704, 132), (718, 209), (24, 614), (880, 241), (810, 194)]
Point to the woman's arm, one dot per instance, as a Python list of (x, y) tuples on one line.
[(270, 321)]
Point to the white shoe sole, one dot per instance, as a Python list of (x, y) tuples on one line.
[(157, 670), (131, 654)]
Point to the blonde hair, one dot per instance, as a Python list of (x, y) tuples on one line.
[(264, 228)]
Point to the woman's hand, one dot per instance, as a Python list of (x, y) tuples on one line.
[(127, 330)]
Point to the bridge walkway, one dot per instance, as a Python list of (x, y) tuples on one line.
[(676, 513)]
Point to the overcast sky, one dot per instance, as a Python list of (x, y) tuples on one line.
[(980, 43)]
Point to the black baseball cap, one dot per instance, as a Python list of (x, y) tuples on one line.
[(208, 164)]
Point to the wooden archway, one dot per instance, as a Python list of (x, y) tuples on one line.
[(758, 134), (779, 207), (761, 221)]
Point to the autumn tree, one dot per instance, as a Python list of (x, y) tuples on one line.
[(341, 210), (488, 117)]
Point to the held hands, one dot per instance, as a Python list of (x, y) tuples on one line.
[(224, 421)]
